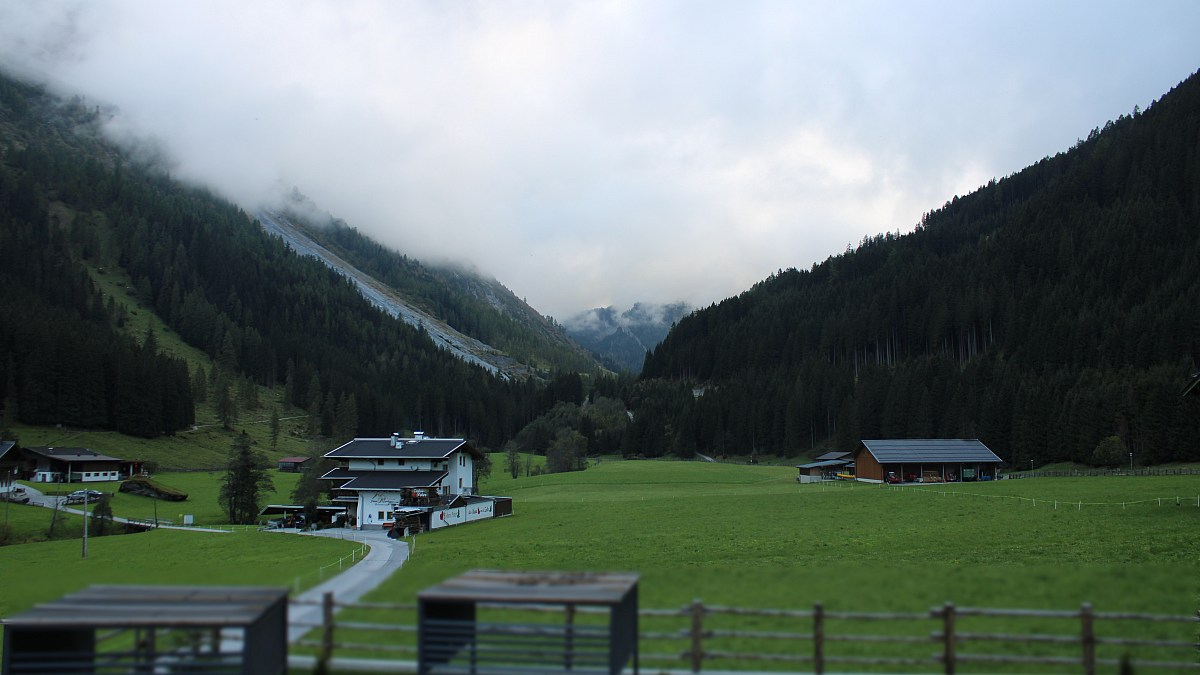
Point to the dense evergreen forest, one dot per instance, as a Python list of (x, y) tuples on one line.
[(72, 205), (1041, 313)]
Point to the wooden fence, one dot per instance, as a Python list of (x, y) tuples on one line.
[(1079, 473), (944, 639)]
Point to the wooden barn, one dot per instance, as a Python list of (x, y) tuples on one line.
[(936, 460), (292, 464)]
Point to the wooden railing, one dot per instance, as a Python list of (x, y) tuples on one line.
[(832, 641)]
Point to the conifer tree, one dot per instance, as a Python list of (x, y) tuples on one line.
[(246, 479)]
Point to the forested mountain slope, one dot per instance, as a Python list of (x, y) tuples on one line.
[(1041, 313), (477, 317), (72, 205)]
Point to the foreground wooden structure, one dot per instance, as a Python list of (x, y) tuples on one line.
[(150, 629), (944, 639)]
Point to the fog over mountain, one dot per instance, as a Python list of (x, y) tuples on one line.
[(622, 339), (596, 154)]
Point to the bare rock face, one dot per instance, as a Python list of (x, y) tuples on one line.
[(148, 488)]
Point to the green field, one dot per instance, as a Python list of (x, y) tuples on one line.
[(692, 528), (40, 572), (750, 536), (732, 535), (202, 487)]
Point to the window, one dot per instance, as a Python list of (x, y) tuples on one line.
[(381, 516), (379, 462)]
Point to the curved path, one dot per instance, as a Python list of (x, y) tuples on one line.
[(385, 557)]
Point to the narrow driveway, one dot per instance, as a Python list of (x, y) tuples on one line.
[(385, 557)]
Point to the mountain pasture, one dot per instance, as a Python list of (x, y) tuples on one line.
[(751, 536), (664, 518)]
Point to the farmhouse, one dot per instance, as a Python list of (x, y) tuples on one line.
[(417, 483), (75, 465), (939, 460)]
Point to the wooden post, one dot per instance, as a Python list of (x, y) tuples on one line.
[(697, 635), (326, 633), (1088, 639), (569, 638), (818, 638), (948, 636)]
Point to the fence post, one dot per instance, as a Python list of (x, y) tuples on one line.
[(818, 638), (948, 635), (569, 635), (697, 635), (326, 633), (1088, 639)]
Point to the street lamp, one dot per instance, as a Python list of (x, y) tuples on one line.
[(1130, 462)]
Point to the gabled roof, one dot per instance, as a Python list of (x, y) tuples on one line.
[(72, 455), (293, 460), (835, 455), (409, 448), (893, 451), (819, 465), (394, 480), (5, 446)]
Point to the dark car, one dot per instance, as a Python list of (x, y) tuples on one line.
[(81, 496)]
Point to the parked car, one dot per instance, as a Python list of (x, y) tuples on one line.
[(81, 496)]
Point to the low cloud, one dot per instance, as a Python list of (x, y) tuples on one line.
[(594, 154)]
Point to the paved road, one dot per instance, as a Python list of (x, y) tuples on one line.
[(385, 557)]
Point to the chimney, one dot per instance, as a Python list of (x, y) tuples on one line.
[(418, 435), (395, 440)]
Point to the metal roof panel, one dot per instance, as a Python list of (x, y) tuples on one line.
[(895, 451)]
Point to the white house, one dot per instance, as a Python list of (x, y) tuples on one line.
[(417, 480), (77, 465)]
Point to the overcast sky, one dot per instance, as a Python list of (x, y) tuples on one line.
[(596, 153)]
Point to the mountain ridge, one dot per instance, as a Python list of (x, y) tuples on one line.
[(623, 339)]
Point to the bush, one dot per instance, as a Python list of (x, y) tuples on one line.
[(1110, 451)]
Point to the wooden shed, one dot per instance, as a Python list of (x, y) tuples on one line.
[(292, 464)]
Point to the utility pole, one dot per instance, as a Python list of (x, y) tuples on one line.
[(12, 481), (86, 499)]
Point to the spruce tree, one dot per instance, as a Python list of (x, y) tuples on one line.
[(246, 479)]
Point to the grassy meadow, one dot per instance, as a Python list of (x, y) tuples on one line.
[(203, 489), (751, 536)]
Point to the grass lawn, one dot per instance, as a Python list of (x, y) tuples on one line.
[(203, 489), (751, 536), (49, 570), (31, 524)]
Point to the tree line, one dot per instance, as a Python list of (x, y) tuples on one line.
[(1042, 313)]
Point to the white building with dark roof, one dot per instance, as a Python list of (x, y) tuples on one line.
[(415, 482), (76, 465)]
